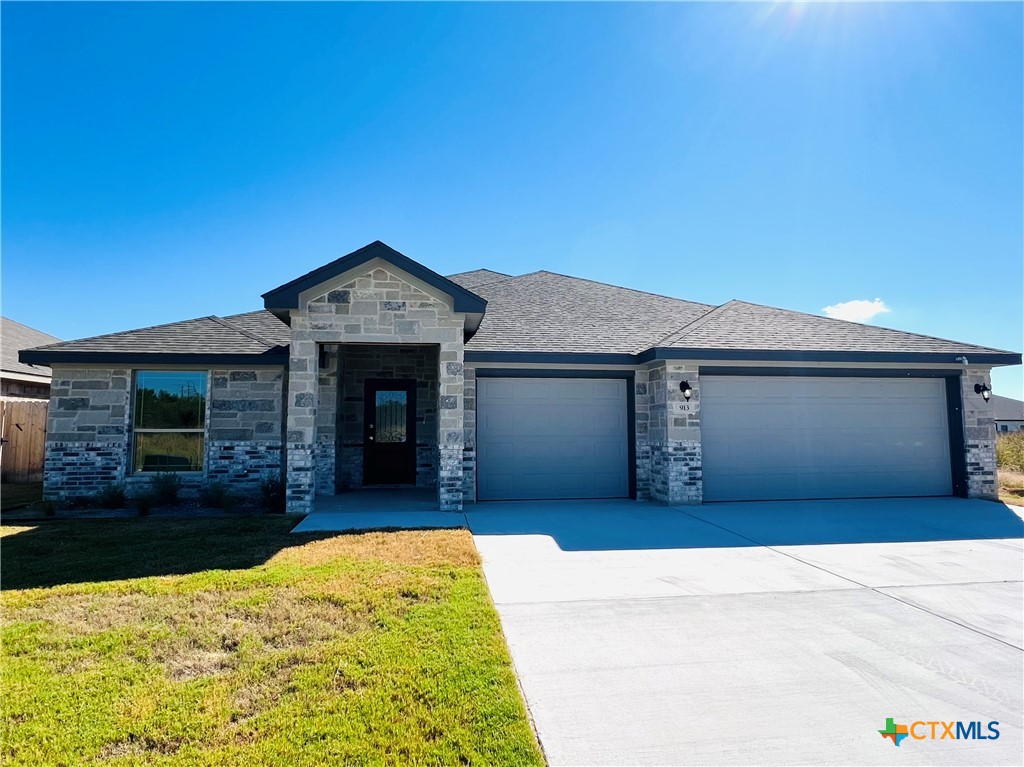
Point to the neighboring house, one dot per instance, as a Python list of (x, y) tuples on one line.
[(21, 379), (24, 394), (376, 371), (1008, 414)]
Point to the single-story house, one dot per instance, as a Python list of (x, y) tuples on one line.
[(374, 370), (20, 379), (1008, 414)]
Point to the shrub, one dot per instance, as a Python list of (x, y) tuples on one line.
[(1010, 451), (112, 496), (216, 496), (144, 503), (272, 495), (166, 486)]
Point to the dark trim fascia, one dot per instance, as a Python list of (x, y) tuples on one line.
[(777, 355), (721, 370), (287, 296), (740, 355), (629, 376), (534, 373), (552, 358), (154, 358)]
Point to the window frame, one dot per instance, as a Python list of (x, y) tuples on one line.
[(133, 430)]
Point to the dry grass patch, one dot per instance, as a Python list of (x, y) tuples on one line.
[(226, 641)]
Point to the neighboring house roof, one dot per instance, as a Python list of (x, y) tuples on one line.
[(541, 316), (13, 338), (1007, 409)]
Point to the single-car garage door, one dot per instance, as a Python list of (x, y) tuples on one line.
[(548, 438), (775, 437)]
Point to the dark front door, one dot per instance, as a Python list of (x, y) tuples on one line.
[(389, 441)]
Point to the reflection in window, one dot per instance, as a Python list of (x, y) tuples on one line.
[(169, 420), (391, 416)]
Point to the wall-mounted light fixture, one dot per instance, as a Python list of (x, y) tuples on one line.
[(684, 387), (984, 390)]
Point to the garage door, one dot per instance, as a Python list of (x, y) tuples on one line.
[(767, 438), (540, 438)]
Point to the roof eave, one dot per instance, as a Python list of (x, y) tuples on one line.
[(275, 357)]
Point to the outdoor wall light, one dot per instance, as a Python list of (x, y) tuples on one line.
[(684, 387), (984, 390)]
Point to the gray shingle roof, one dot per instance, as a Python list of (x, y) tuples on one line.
[(477, 277), (13, 338), (250, 333), (1007, 409), (547, 312), (544, 312), (741, 325)]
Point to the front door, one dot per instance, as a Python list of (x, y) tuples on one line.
[(389, 441)]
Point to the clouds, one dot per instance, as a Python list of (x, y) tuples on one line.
[(858, 310)]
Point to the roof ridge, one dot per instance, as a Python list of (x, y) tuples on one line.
[(675, 335), (864, 324), (243, 331), (481, 269), (618, 287), (124, 332)]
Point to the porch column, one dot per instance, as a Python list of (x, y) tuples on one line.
[(450, 411), (301, 418)]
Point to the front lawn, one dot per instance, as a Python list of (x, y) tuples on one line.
[(232, 642)]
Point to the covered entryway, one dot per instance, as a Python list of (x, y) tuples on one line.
[(552, 438), (781, 437)]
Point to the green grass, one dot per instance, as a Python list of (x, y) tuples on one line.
[(16, 496), (231, 642)]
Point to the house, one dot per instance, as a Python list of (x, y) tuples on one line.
[(21, 379), (374, 370), (1008, 414), (24, 395)]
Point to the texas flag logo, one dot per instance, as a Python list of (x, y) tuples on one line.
[(894, 732)]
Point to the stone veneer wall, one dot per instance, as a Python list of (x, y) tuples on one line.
[(325, 450), (979, 436), (642, 405), (469, 437), (88, 443), (244, 429), (87, 431), (358, 363), (674, 434), (377, 307)]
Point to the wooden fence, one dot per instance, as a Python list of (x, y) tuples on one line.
[(24, 435)]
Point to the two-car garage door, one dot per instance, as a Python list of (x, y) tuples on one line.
[(550, 438), (766, 438)]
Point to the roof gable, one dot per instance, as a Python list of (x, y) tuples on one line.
[(282, 299)]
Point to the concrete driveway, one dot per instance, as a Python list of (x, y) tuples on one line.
[(761, 633)]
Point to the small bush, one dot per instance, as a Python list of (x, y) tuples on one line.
[(78, 502), (216, 496), (166, 486), (1010, 451), (272, 496), (112, 496), (144, 503)]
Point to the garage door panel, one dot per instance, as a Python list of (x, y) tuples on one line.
[(552, 438), (785, 438)]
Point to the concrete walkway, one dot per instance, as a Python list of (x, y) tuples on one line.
[(761, 633)]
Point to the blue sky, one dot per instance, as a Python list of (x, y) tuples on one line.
[(166, 161)]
